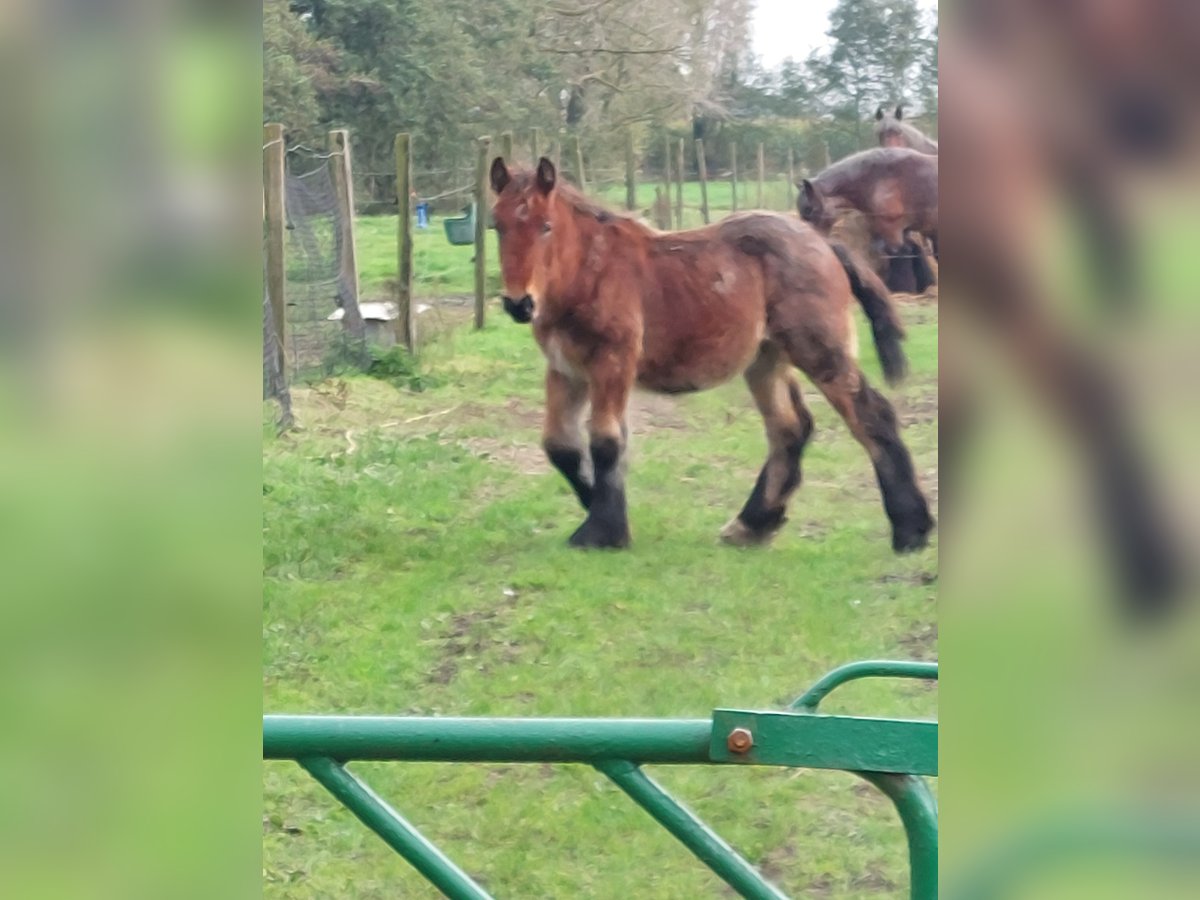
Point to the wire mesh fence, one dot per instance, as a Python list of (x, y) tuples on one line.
[(325, 328), (275, 383)]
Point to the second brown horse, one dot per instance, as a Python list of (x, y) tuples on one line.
[(614, 304), (896, 189), (893, 131)]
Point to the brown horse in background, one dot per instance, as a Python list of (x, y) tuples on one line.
[(897, 190), (891, 131), (614, 304)]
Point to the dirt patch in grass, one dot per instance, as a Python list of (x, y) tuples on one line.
[(472, 638), (915, 578), (523, 452), (777, 862), (918, 410), (927, 299), (650, 412), (921, 642), (523, 457), (524, 414), (873, 882)]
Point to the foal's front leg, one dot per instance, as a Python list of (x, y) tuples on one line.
[(607, 524), (562, 433)]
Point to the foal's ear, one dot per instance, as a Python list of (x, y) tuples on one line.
[(810, 192), (899, 113), (545, 175), (879, 114), (500, 176)]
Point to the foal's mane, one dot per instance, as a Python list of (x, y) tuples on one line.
[(574, 198)]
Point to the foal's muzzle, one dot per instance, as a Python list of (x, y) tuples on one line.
[(521, 310)]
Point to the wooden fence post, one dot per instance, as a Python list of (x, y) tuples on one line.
[(630, 172), (558, 148), (733, 176), (481, 214), (406, 325), (791, 193), (273, 173), (579, 166), (506, 148), (762, 174), (343, 182), (666, 174), (703, 169), (535, 145), (679, 173)]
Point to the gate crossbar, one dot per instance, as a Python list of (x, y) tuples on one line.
[(892, 754)]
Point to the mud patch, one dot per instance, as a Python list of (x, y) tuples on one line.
[(919, 410), (470, 640), (921, 643), (873, 882), (523, 458), (915, 578), (777, 862), (647, 413), (650, 412)]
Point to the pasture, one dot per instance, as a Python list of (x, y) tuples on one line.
[(416, 562)]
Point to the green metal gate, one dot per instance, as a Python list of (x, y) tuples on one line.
[(892, 754)]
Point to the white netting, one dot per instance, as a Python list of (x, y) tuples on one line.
[(318, 283)]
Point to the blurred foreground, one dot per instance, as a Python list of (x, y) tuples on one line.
[(1069, 629), (131, 457)]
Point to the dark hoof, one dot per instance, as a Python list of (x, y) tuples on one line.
[(592, 534), (908, 540)]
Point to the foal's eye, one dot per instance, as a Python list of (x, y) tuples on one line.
[(545, 228)]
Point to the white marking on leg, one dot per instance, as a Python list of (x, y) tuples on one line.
[(557, 359)]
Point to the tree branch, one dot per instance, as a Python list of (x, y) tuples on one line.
[(580, 51), (581, 11), (600, 79), (647, 116)]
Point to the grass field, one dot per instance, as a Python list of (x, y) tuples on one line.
[(415, 559)]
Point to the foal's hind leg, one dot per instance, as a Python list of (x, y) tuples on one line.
[(873, 422), (789, 426)]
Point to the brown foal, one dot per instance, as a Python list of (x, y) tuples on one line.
[(614, 304)]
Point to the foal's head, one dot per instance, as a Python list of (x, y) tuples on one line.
[(888, 128), (815, 208), (526, 216)]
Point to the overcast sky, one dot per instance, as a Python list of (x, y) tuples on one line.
[(795, 28)]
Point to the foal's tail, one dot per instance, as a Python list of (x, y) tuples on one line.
[(877, 304)]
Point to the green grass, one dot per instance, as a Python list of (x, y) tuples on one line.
[(415, 558), (776, 196), (440, 268)]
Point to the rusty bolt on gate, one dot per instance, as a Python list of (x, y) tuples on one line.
[(740, 740)]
